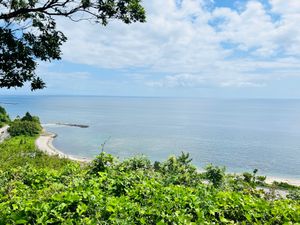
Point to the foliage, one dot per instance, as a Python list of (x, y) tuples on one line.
[(215, 175), (28, 32), (29, 117), (4, 118), (101, 163), (135, 163), (248, 177), (40, 189), (294, 194), (260, 180), (20, 151), (28, 125), (252, 179), (284, 185), (19, 127), (179, 170)]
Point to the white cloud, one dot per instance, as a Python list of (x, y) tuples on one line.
[(220, 80), (251, 29), (178, 80), (285, 7), (181, 43)]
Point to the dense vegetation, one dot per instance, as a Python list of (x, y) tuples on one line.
[(4, 118), (20, 152), (39, 189), (27, 125)]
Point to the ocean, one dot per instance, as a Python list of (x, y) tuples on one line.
[(240, 134)]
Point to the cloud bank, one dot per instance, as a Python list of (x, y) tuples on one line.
[(192, 43)]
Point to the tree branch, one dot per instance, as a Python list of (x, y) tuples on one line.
[(53, 4)]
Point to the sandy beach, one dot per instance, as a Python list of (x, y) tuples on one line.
[(44, 143)]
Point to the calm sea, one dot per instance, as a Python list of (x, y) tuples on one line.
[(239, 134)]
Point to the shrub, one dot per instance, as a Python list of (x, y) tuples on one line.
[(252, 179), (178, 170), (4, 118), (68, 194), (294, 195), (135, 163), (284, 185), (26, 128), (101, 163), (215, 175), (261, 180), (248, 177)]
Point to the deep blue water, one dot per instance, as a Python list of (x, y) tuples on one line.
[(237, 133)]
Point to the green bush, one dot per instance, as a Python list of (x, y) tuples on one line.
[(4, 118), (294, 194), (27, 128), (178, 170), (73, 195), (261, 180), (102, 163), (21, 151), (284, 185), (215, 175), (248, 177), (135, 163)]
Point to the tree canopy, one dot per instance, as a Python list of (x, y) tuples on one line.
[(28, 32)]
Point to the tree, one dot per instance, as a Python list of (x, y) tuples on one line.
[(28, 32), (215, 175), (29, 126), (29, 117), (24, 127), (4, 118)]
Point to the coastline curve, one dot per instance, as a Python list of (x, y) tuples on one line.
[(45, 143)]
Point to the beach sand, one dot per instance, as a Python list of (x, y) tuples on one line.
[(44, 143)]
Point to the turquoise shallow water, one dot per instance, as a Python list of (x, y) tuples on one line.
[(239, 134)]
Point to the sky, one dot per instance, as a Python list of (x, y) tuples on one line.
[(187, 48)]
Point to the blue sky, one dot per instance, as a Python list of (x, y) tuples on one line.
[(187, 48)]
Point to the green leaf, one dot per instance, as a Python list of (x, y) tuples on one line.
[(22, 221)]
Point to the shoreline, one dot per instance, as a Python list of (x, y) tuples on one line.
[(45, 143)]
